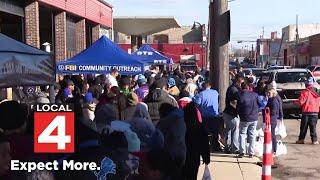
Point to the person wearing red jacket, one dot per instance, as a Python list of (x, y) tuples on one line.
[(309, 102)]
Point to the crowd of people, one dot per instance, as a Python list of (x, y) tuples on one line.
[(156, 125), (152, 125)]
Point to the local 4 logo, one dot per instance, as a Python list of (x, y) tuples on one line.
[(53, 129)]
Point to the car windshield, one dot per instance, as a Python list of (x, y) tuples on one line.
[(290, 77), (310, 68)]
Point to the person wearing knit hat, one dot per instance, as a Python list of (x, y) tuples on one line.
[(89, 106), (13, 116), (67, 92), (173, 90), (13, 123), (143, 89), (309, 101)]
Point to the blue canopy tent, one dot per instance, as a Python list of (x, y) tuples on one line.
[(24, 65), (100, 58), (151, 56)]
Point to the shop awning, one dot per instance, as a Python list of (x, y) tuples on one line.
[(143, 26)]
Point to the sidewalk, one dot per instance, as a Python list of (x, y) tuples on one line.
[(227, 167)]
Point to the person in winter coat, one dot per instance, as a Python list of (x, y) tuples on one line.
[(157, 97), (309, 102), (274, 104), (173, 90), (173, 128), (89, 106), (134, 109), (191, 88), (143, 89), (197, 143), (248, 110), (184, 99), (5, 155), (125, 86), (208, 103), (231, 118)]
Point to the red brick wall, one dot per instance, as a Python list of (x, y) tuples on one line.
[(80, 35), (89, 9), (60, 36), (175, 50), (95, 33), (32, 24)]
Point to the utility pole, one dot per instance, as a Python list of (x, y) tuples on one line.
[(280, 48), (219, 49), (297, 42)]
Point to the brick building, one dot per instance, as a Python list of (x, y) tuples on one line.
[(69, 26), (176, 43), (268, 50)]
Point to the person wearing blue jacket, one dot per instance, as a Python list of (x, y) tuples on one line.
[(275, 105), (208, 103), (261, 90), (248, 110)]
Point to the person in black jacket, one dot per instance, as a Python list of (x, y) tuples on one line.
[(158, 96), (197, 142), (231, 118)]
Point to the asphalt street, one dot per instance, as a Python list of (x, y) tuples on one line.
[(302, 161)]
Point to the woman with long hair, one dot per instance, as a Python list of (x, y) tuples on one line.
[(197, 142)]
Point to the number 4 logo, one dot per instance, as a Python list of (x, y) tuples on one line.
[(54, 132)]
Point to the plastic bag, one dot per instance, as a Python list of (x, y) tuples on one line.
[(281, 148), (206, 174), (258, 147), (281, 129)]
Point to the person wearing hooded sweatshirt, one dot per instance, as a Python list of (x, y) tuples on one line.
[(173, 128), (157, 97), (134, 109), (309, 102), (89, 106)]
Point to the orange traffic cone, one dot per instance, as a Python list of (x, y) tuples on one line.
[(267, 160)]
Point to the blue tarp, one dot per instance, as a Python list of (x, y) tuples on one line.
[(100, 58), (150, 56)]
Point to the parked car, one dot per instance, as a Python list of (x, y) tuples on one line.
[(275, 67), (290, 83), (315, 71), (255, 71), (246, 65)]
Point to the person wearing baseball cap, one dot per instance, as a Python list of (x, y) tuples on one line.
[(143, 89), (309, 101)]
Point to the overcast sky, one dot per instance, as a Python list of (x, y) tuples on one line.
[(247, 16)]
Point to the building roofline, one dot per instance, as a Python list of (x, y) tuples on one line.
[(144, 17), (105, 3)]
